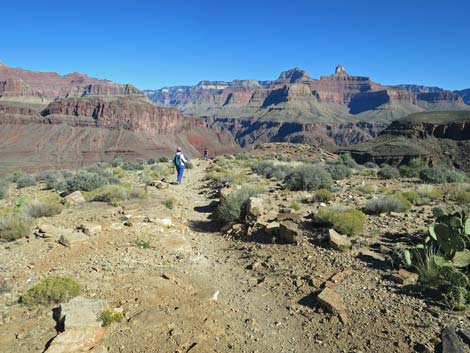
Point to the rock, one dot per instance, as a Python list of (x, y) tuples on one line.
[(161, 185), (338, 241), (45, 230), (71, 239), (372, 254), (333, 302), (81, 312), (164, 222), (465, 334), (450, 341), (294, 217), (82, 339), (91, 229), (224, 193), (75, 198), (272, 229), (289, 232), (254, 207), (405, 277)]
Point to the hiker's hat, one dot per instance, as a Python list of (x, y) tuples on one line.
[(178, 149)]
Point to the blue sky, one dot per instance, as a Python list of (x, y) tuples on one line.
[(159, 43)]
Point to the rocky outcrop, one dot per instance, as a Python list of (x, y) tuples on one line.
[(296, 97), (19, 84)]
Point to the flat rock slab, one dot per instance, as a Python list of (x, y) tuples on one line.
[(81, 312), (289, 232), (46, 230), (338, 241), (77, 340), (72, 239), (75, 198), (405, 277), (333, 302), (372, 255)]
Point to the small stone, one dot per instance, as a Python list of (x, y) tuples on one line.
[(91, 229), (72, 239), (333, 302), (254, 207), (289, 232), (371, 254), (75, 198), (405, 277), (75, 340), (338, 241)]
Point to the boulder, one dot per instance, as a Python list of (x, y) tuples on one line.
[(75, 198), (333, 302), (450, 341), (224, 193), (338, 241), (272, 229), (405, 277), (289, 232), (81, 312), (71, 239), (82, 339), (254, 207), (91, 229)]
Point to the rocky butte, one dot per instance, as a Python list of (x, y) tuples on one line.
[(337, 109)]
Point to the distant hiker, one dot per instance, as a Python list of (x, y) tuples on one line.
[(179, 161), (206, 155)]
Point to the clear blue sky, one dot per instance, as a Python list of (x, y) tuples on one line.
[(158, 43)]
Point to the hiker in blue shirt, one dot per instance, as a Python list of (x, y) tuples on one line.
[(179, 161)]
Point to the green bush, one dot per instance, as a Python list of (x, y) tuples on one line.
[(272, 170), (53, 289), (413, 168), (338, 171), (53, 179), (113, 194), (348, 221), (396, 203), (308, 178), (147, 178), (411, 196), (86, 181), (43, 207), (133, 165), (26, 181), (371, 165), (232, 208), (151, 161), (117, 162), (16, 176), (367, 188), (429, 193), (388, 172), (109, 316), (189, 165), (14, 227), (163, 159), (323, 195), (348, 161), (441, 175)]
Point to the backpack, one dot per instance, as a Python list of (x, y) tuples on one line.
[(177, 160)]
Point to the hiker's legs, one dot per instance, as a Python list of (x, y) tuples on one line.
[(180, 174)]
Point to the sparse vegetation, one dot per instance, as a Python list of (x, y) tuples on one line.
[(388, 172), (4, 186), (338, 171), (109, 316), (53, 289), (411, 196), (387, 204), (348, 221), (14, 227), (133, 165), (413, 168), (233, 207), (43, 207), (142, 244), (114, 194), (25, 181), (323, 195), (86, 181), (169, 203), (429, 193), (271, 169), (441, 175), (308, 178), (163, 159)]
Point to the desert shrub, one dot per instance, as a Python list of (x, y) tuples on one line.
[(98, 168), (109, 316), (441, 175), (413, 168), (147, 178), (348, 161), (429, 193), (189, 165), (411, 196), (118, 172), (53, 289), (142, 244), (386, 204), (323, 195), (43, 207), (371, 165), (348, 221), (169, 203), (308, 178), (151, 161), (163, 159), (133, 165), (16, 175), (117, 162), (26, 181), (86, 181), (3, 189), (53, 179), (113, 194), (367, 188), (13, 227), (296, 206), (272, 170), (338, 171), (388, 172), (232, 208)]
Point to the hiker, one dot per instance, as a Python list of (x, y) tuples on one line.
[(206, 155), (179, 161)]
